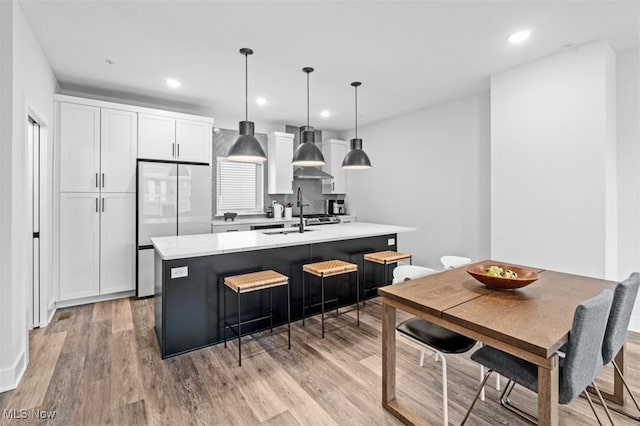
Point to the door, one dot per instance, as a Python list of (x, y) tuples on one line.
[(193, 139), (157, 137), (194, 199), (117, 242), (33, 140), (118, 147), (79, 245), (157, 201), (79, 148)]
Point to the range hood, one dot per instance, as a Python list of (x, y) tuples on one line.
[(310, 173)]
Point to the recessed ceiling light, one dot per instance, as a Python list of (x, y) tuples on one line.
[(173, 83), (261, 101), (519, 37), (325, 113)]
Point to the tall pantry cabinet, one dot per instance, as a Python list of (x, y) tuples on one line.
[(97, 149)]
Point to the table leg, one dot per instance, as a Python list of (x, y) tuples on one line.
[(548, 394), (388, 354), (618, 387)]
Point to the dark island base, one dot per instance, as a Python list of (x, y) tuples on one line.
[(188, 311)]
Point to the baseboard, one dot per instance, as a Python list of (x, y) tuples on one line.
[(10, 377), (94, 299), (52, 311)]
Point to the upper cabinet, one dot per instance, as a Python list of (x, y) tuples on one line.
[(174, 139), (97, 149), (334, 152), (279, 168)]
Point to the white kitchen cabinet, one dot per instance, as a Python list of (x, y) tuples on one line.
[(193, 141), (118, 146), (334, 152), (229, 228), (97, 149), (79, 142), (156, 137), (97, 244), (117, 243), (168, 138), (79, 245), (279, 168)]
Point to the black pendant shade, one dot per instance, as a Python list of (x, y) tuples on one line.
[(356, 159), (246, 148), (307, 153)]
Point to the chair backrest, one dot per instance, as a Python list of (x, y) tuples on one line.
[(615, 335), (452, 262), (410, 272), (585, 342)]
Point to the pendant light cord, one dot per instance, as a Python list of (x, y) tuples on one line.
[(356, 87), (307, 99), (246, 87)]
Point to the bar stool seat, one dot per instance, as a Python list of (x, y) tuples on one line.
[(329, 268), (385, 258), (247, 283)]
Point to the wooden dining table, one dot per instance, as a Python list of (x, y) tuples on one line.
[(531, 323)]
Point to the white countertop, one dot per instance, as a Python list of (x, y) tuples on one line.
[(180, 247)]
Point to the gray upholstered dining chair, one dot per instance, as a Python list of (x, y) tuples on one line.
[(579, 367), (615, 335)]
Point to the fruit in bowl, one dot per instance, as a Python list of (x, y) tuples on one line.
[(502, 277)]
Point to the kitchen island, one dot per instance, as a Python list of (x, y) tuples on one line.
[(190, 271)]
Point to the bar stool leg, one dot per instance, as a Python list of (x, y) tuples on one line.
[(358, 300), (224, 316), (337, 293), (271, 309), (239, 334), (364, 283), (303, 306), (289, 314), (322, 283), (411, 260)]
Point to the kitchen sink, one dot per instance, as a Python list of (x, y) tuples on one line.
[(286, 232)]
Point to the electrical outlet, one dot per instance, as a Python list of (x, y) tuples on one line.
[(391, 241), (181, 272)]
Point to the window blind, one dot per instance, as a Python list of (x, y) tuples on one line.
[(239, 186)]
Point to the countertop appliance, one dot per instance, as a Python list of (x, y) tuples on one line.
[(173, 199), (336, 207), (318, 219)]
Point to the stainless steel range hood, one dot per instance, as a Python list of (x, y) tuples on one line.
[(310, 173)]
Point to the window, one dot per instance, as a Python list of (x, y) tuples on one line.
[(240, 187)]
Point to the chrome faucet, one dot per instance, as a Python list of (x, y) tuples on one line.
[(299, 203)]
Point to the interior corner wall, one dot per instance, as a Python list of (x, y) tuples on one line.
[(553, 163), (430, 171), (33, 85), (628, 122)]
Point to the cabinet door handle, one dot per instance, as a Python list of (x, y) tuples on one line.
[(334, 186), (96, 180), (96, 205), (103, 180), (178, 150), (103, 205), (173, 149)]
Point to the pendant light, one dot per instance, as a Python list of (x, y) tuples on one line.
[(356, 159), (307, 153), (246, 148)]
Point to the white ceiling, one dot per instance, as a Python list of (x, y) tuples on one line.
[(407, 54)]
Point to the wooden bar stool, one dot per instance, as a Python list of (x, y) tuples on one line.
[(329, 268), (247, 283), (384, 258)]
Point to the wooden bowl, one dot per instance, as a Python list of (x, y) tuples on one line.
[(525, 276)]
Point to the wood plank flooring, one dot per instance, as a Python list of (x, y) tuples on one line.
[(100, 364)]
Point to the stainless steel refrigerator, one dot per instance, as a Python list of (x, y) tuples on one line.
[(173, 199)]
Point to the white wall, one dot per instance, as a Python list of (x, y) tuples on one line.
[(628, 114), (553, 163), (33, 86), (430, 171)]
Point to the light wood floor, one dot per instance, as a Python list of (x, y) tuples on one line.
[(100, 363)]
